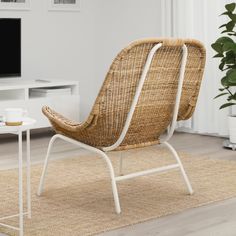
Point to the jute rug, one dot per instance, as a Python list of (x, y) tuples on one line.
[(78, 198)]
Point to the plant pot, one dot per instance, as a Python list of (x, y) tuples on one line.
[(232, 129)]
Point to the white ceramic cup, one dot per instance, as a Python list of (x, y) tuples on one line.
[(14, 116)]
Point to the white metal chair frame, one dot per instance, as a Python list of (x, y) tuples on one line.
[(103, 152)]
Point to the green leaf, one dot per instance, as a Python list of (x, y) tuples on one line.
[(217, 47), (224, 81), (230, 72), (224, 40), (229, 58), (219, 55), (225, 31), (230, 26), (232, 17), (225, 13), (222, 89), (222, 26), (227, 105), (221, 66), (231, 97), (219, 95), (230, 7), (232, 76), (229, 46)]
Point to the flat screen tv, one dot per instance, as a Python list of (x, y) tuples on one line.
[(10, 47)]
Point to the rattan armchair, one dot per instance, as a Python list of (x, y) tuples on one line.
[(150, 85)]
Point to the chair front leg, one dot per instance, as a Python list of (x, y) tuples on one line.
[(41, 184), (89, 148), (113, 181)]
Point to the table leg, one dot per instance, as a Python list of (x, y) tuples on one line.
[(28, 174), (20, 183)]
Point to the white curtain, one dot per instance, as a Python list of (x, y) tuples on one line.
[(200, 19)]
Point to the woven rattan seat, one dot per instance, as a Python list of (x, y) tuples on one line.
[(154, 110)]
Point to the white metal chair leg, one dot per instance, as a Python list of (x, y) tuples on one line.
[(87, 147), (121, 164), (173, 151), (41, 184), (113, 181)]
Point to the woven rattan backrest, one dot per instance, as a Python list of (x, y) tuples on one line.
[(155, 106)]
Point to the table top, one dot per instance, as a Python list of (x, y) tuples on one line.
[(28, 123)]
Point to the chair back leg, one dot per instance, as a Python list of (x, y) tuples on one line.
[(121, 164)]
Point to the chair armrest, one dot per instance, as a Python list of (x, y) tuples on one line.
[(60, 120), (57, 119)]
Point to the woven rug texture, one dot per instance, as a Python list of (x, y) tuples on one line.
[(78, 198)]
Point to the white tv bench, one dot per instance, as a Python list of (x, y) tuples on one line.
[(17, 94)]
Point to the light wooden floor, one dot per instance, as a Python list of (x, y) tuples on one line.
[(213, 220)]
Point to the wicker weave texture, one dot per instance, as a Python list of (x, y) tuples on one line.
[(154, 110)]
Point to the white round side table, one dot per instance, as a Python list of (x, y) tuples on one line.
[(28, 124)]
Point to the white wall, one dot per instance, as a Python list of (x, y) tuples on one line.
[(81, 45)]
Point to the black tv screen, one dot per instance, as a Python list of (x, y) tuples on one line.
[(10, 47)]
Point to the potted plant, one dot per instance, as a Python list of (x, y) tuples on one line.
[(225, 48)]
